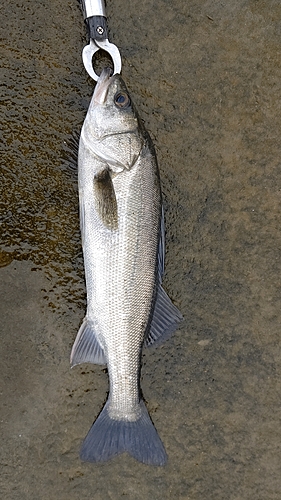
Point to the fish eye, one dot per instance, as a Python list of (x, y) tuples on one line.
[(122, 100)]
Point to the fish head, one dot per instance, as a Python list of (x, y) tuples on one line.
[(112, 125)]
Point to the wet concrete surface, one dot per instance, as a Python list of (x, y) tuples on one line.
[(206, 79)]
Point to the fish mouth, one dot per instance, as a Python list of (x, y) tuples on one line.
[(102, 86)]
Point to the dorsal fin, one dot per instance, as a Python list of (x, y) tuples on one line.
[(165, 320)]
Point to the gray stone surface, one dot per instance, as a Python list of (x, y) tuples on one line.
[(206, 79)]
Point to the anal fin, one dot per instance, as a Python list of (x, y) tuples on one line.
[(86, 348)]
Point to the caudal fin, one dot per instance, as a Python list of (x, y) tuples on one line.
[(108, 438)]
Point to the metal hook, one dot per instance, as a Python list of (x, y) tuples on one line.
[(95, 17), (90, 50)]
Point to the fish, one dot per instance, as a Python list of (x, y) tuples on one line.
[(122, 232)]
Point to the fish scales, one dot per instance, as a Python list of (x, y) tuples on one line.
[(123, 263), (120, 217)]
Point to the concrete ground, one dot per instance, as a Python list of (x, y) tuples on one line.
[(205, 77)]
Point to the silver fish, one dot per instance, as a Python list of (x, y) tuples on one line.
[(123, 245)]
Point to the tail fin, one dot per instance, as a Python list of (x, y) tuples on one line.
[(108, 438)]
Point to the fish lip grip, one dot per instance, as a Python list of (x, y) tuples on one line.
[(95, 18)]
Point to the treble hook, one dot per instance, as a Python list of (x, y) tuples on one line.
[(95, 17)]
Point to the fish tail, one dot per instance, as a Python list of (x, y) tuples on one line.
[(109, 437)]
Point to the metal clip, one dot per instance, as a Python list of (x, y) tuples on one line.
[(95, 18)]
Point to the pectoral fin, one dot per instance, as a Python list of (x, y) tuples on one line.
[(106, 204)]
